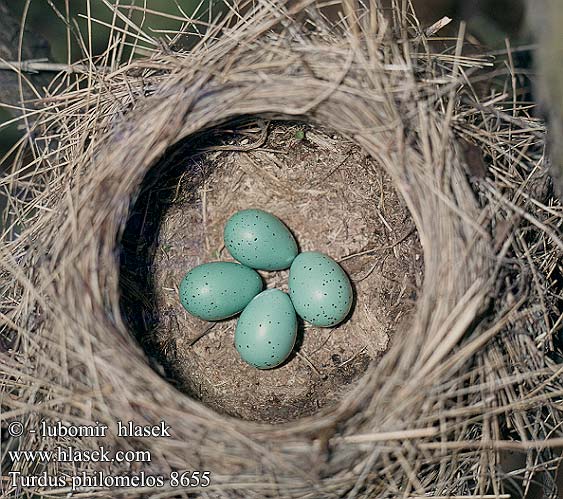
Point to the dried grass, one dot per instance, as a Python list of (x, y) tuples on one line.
[(473, 376)]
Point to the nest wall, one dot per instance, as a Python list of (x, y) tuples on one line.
[(473, 376)]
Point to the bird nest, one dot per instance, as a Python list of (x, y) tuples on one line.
[(410, 162)]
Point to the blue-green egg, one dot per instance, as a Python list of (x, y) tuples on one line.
[(260, 240), (217, 290), (320, 289), (266, 330)]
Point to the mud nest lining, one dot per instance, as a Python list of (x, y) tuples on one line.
[(472, 371), (334, 198)]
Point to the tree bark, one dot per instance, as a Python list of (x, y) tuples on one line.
[(34, 46)]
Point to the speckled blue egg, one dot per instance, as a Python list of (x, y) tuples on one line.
[(266, 330), (260, 240), (320, 289), (217, 290)]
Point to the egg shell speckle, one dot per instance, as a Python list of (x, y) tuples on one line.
[(260, 240), (320, 290), (266, 330), (217, 290)]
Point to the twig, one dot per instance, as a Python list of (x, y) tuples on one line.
[(201, 335), (41, 65), (302, 356), (379, 248)]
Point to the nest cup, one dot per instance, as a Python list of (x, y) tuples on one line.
[(334, 198), (469, 373)]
